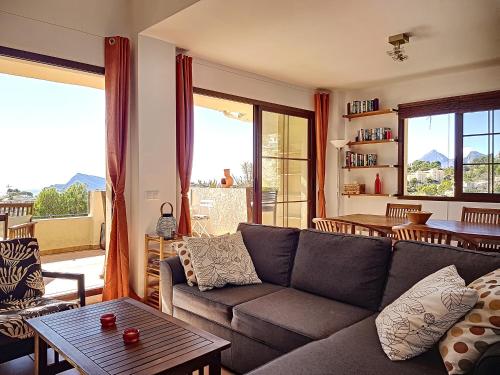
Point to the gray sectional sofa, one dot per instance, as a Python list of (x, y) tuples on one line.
[(315, 311)]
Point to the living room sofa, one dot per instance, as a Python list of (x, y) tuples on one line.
[(315, 311)]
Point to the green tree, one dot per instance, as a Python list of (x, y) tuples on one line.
[(72, 201)]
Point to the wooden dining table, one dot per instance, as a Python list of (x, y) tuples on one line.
[(385, 224)]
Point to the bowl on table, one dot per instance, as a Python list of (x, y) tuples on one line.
[(418, 217)]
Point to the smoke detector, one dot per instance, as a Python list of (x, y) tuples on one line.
[(398, 52)]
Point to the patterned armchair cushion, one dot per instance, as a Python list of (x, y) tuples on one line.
[(14, 313), (20, 270)]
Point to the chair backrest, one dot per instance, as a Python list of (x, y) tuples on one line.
[(400, 210), (334, 226), (269, 202), (481, 215), (17, 208), (422, 233), (20, 260)]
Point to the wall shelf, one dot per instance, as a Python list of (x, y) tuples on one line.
[(372, 166), (369, 195), (372, 113), (353, 143)]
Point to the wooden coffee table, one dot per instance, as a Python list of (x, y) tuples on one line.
[(166, 346)]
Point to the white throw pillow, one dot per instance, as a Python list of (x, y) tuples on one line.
[(416, 321), (221, 260)]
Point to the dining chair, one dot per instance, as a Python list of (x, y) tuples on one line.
[(400, 210), (336, 226), (483, 216), (423, 233)]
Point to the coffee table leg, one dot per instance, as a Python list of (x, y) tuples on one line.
[(40, 356), (214, 368)]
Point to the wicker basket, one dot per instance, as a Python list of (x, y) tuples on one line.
[(352, 189)]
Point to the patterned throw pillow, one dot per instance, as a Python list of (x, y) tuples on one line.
[(185, 255), (470, 337), (414, 322), (20, 270), (221, 260)]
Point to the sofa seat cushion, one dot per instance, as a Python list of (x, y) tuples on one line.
[(217, 304), (291, 318), (353, 350), (15, 313)]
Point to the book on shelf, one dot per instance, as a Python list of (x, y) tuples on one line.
[(354, 159), (361, 106), (375, 134)]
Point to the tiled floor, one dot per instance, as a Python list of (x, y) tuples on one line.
[(88, 262)]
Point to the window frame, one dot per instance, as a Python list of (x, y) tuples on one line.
[(258, 107), (486, 101)]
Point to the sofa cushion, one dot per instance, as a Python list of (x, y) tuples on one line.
[(412, 261), (290, 318), (272, 250), (353, 350), (217, 304), (347, 268)]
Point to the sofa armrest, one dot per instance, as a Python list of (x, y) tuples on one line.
[(171, 273), (79, 277), (489, 362)]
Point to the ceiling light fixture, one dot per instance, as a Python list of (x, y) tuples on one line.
[(398, 52)]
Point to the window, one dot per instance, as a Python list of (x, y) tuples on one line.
[(269, 152), (450, 148)]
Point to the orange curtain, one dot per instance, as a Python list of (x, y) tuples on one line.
[(321, 106), (185, 136), (117, 82)]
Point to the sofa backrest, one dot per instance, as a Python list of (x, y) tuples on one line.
[(346, 268), (412, 261), (272, 250)]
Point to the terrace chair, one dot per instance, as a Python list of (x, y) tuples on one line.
[(268, 204), (20, 223), (423, 233), (336, 226), (4, 218), (400, 210), (22, 295), (483, 216)]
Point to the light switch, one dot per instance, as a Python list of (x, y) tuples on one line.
[(152, 195)]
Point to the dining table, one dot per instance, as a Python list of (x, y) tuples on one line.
[(385, 224)]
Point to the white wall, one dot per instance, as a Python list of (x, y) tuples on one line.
[(437, 86)]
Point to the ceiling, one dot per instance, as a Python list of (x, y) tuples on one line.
[(337, 43)]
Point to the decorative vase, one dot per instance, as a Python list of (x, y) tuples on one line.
[(378, 185), (166, 226), (229, 181)]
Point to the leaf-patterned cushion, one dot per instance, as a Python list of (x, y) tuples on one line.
[(20, 270), (14, 313), (468, 339), (416, 321), (221, 260)]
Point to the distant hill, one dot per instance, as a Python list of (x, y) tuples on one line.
[(434, 155), (473, 155), (92, 182)]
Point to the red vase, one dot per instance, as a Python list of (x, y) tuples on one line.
[(378, 185)]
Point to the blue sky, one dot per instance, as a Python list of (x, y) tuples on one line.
[(220, 142), (49, 131)]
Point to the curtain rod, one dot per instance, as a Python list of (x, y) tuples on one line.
[(52, 24)]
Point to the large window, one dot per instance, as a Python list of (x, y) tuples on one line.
[(451, 148), (266, 150)]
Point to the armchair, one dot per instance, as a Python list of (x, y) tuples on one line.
[(22, 295), (18, 222)]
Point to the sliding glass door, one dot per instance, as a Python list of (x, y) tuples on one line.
[(286, 167)]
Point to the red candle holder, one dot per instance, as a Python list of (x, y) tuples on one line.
[(130, 335), (108, 320)]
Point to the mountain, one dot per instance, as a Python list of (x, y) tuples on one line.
[(473, 155), (92, 182), (437, 156)]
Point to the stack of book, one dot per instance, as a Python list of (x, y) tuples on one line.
[(353, 159), (375, 134), (360, 106)]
